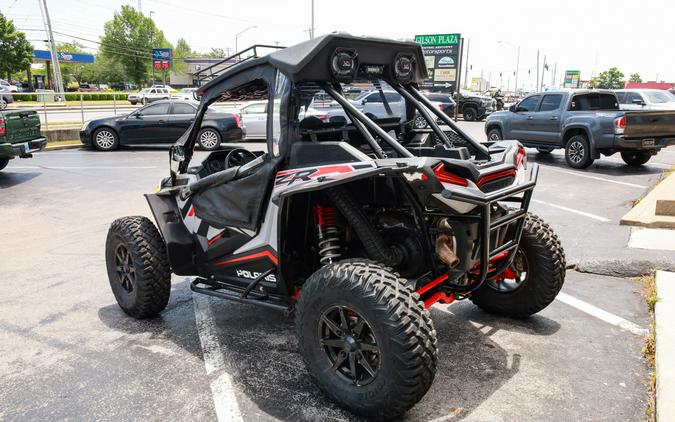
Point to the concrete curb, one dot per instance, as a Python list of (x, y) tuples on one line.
[(623, 267), (644, 213), (60, 147), (664, 314)]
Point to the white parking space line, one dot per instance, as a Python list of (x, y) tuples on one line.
[(224, 398), (572, 210), (588, 176), (82, 167), (601, 314)]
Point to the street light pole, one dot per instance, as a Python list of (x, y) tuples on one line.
[(517, 60), (58, 80), (236, 38), (311, 32)]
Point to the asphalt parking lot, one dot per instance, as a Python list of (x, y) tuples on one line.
[(68, 352)]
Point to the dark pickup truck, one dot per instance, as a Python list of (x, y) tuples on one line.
[(586, 124), (19, 135)]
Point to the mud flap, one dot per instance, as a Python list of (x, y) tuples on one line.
[(180, 245)]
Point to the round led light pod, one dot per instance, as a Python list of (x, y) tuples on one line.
[(404, 68), (344, 64)]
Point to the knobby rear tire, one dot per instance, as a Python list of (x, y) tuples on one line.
[(402, 327)]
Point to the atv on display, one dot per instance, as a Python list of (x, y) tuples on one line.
[(356, 224)]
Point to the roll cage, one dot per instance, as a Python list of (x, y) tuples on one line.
[(282, 75)]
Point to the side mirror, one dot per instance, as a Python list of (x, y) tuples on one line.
[(638, 101), (512, 108), (364, 101), (138, 116), (178, 153)]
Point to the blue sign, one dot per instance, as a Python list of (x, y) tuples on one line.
[(64, 57), (161, 54)]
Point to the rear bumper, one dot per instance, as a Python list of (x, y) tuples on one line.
[(22, 149), (639, 144), (519, 193)]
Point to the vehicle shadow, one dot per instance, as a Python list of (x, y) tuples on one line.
[(268, 373), (9, 179), (599, 167)]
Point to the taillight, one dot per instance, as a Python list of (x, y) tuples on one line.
[(323, 117), (445, 176), (521, 158), (619, 124), (237, 119), (440, 106), (2, 127)]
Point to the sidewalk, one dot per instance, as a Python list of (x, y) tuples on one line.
[(664, 314)]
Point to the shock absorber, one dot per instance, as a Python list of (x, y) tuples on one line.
[(327, 234)]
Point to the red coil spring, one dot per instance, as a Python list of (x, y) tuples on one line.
[(327, 234)]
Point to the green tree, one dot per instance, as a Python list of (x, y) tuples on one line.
[(609, 79), (16, 53), (129, 39), (181, 52), (635, 77), (104, 71), (216, 53)]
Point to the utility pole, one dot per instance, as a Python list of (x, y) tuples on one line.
[(517, 67), (58, 81), (555, 69), (139, 7), (466, 65), (151, 46), (311, 31)]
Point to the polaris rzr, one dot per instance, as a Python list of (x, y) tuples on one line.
[(355, 224)]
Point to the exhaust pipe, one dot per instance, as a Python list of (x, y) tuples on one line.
[(445, 249)]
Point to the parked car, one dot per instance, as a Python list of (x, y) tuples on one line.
[(5, 97), (446, 102), (254, 116), (148, 95), (187, 94), (123, 86), (585, 123), (474, 106), (10, 87), (162, 123), (645, 99), (88, 88), (19, 135)]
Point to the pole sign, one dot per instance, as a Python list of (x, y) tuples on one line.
[(161, 58), (441, 56), (572, 79)]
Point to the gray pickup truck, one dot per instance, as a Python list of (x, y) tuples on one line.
[(586, 124)]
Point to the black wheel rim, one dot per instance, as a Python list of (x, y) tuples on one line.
[(126, 274), (520, 272), (576, 152), (349, 343)]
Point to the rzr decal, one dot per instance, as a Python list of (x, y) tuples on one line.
[(289, 177)]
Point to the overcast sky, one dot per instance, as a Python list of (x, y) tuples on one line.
[(585, 35)]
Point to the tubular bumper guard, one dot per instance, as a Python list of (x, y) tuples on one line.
[(489, 226)]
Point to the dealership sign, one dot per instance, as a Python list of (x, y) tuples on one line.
[(63, 57), (441, 56), (572, 79)]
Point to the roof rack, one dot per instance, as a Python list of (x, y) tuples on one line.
[(208, 73)]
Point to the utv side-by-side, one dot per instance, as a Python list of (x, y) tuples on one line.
[(356, 225)]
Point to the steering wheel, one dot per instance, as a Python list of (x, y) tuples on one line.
[(238, 157)]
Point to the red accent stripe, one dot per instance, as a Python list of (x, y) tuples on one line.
[(331, 169), (216, 237), (191, 212), (257, 255), (495, 176), (447, 177)]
